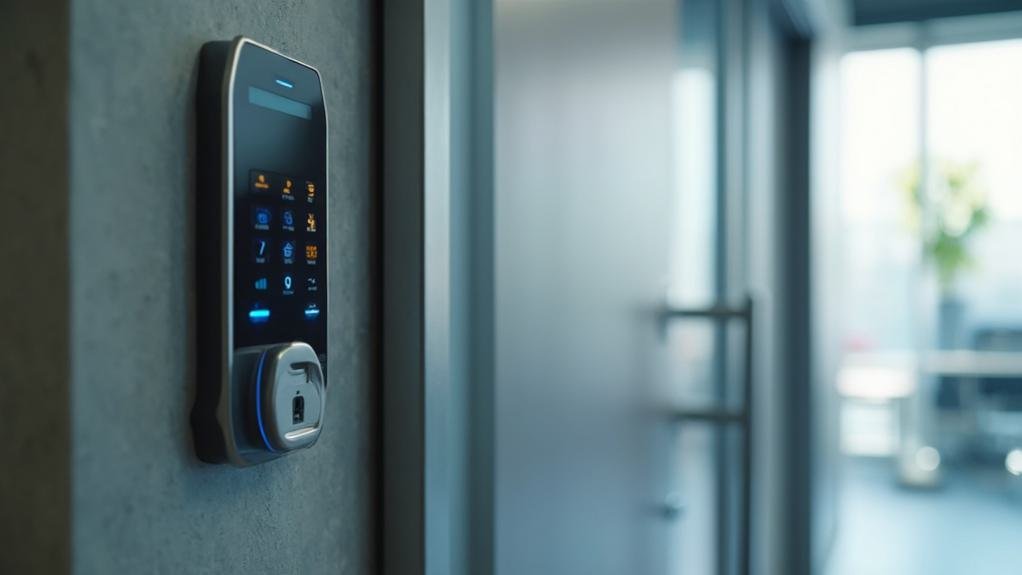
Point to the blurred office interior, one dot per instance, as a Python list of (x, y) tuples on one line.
[(930, 330), (839, 179)]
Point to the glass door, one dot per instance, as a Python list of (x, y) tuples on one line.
[(623, 337)]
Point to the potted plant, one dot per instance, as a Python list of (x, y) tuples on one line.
[(953, 211)]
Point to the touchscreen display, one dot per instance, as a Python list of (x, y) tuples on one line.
[(279, 205)]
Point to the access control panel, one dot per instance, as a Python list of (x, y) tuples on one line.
[(261, 219)]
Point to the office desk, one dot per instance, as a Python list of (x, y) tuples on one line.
[(909, 379), (967, 363)]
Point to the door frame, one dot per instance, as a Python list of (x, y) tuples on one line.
[(436, 466)]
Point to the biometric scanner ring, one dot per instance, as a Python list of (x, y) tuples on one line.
[(261, 227)]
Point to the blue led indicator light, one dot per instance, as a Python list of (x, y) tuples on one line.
[(259, 315), (311, 312), (284, 83), (259, 401)]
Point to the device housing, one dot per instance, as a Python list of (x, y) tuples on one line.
[(261, 176)]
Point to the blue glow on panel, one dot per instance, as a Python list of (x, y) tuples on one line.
[(259, 402), (259, 315), (284, 83), (311, 312)]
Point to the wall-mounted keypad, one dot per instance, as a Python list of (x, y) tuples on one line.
[(278, 289)]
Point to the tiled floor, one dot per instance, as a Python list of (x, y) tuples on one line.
[(971, 526)]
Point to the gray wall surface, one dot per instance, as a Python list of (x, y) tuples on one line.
[(141, 500), (34, 493)]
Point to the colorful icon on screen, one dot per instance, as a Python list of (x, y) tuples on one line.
[(288, 189), (310, 191), (288, 218), (311, 253), (260, 284), (260, 250), (288, 251), (311, 311), (261, 218), (260, 182), (310, 222)]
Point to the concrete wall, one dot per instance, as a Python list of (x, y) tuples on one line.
[(34, 391), (119, 224)]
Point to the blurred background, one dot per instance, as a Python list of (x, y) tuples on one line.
[(930, 374), (777, 246)]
